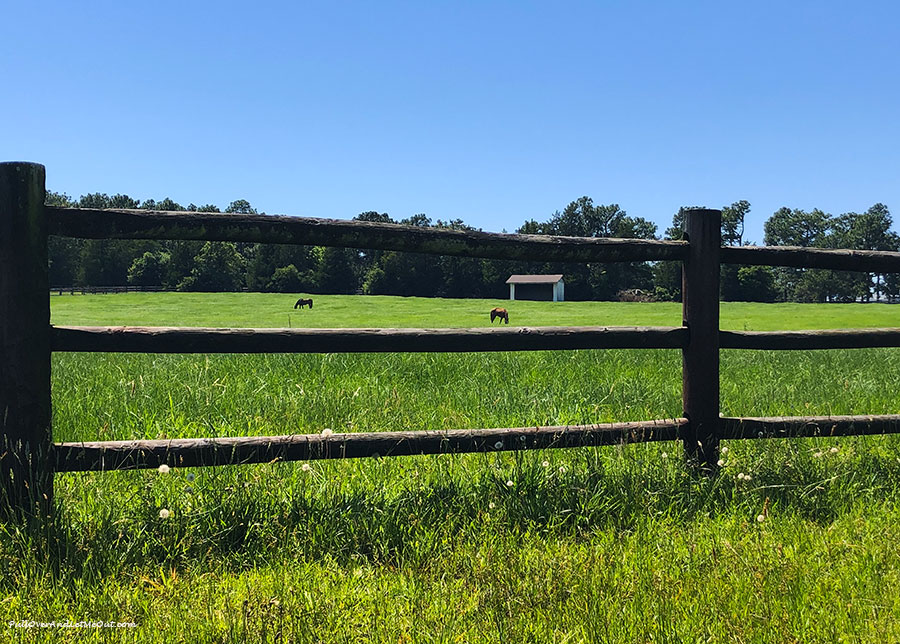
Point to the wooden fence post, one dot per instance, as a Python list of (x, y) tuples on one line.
[(26, 478), (700, 359)]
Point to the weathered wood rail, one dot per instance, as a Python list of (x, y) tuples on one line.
[(29, 458)]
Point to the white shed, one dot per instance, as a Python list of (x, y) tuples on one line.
[(536, 287)]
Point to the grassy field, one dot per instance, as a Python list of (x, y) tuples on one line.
[(590, 545)]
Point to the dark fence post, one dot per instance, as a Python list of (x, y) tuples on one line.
[(26, 478), (700, 359)]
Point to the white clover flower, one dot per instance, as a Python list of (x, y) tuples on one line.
[(724, 450), (164, 514), (834, 450), (747, 477), (498, 445), (163, 469), (491, 505), (665, 455), (305, 467), (509, 484), (545, 464), (761, 518), (720, 463), (327, 432), (191, 476), (817, 455), (740, 476)]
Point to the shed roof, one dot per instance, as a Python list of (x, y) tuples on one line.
[(534, 279)]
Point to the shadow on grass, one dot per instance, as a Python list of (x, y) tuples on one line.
[(416, 510)]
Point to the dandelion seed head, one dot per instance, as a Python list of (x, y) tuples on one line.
[(327, 432), (163, 469)]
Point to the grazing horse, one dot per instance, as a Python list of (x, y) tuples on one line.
[(503, 314), (301, 303)]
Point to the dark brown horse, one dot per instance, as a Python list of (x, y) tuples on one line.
[(503, 314), (301, 303)]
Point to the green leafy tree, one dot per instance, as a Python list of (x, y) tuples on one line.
[(335, 273), (756, 284), (241, 207), (149, 269), (870, 230), (285, 279), (788, 227), (217, 267)]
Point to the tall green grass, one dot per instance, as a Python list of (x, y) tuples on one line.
[(619, 544)]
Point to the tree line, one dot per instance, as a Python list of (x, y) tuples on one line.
[(227, 266)]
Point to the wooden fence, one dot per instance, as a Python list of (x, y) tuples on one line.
[(29, 456)]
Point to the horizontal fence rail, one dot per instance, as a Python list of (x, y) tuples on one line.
[(279, 229), (809, 426), (839, 259), (817, 339), (196, 452), (206, 340), (199, 452), (127, 339)]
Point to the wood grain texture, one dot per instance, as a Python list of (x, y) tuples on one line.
[(808, 426), (279, 229), (195, 452), (839, 259)]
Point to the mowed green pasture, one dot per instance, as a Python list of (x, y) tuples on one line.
[(275, 310), (619, 544)]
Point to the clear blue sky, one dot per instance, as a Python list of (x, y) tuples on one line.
[(493, 112)]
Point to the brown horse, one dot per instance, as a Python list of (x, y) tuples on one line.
[(301, 303), (503, 314)]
